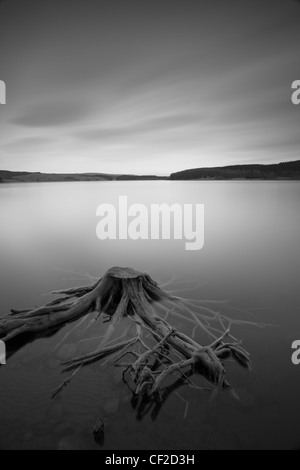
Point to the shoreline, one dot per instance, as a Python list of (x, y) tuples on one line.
[(203, 180)]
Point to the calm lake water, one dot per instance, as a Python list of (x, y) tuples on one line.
[(251, 258)]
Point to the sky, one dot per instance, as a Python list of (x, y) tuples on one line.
[(147, 86)]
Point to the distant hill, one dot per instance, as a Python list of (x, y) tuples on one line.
[(27, 177), (288, 170)]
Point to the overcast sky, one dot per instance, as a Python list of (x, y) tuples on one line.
[(148, 86)]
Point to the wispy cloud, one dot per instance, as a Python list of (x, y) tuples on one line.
[(49, 113), (21, 144), (147, 126), (147, 86)]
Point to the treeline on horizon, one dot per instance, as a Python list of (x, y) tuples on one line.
[(288, 170)]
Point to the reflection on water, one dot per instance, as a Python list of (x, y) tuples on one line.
[(251, 258)]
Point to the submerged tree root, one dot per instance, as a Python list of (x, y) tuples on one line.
[(124, 292)]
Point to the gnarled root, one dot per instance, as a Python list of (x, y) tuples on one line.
[(172, 352), (125, 292)]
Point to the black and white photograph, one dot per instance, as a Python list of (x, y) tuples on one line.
[(149, 227)]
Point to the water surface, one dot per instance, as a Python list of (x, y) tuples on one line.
[(251, 258)]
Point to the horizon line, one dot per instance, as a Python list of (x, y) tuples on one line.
[(151, 174)]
